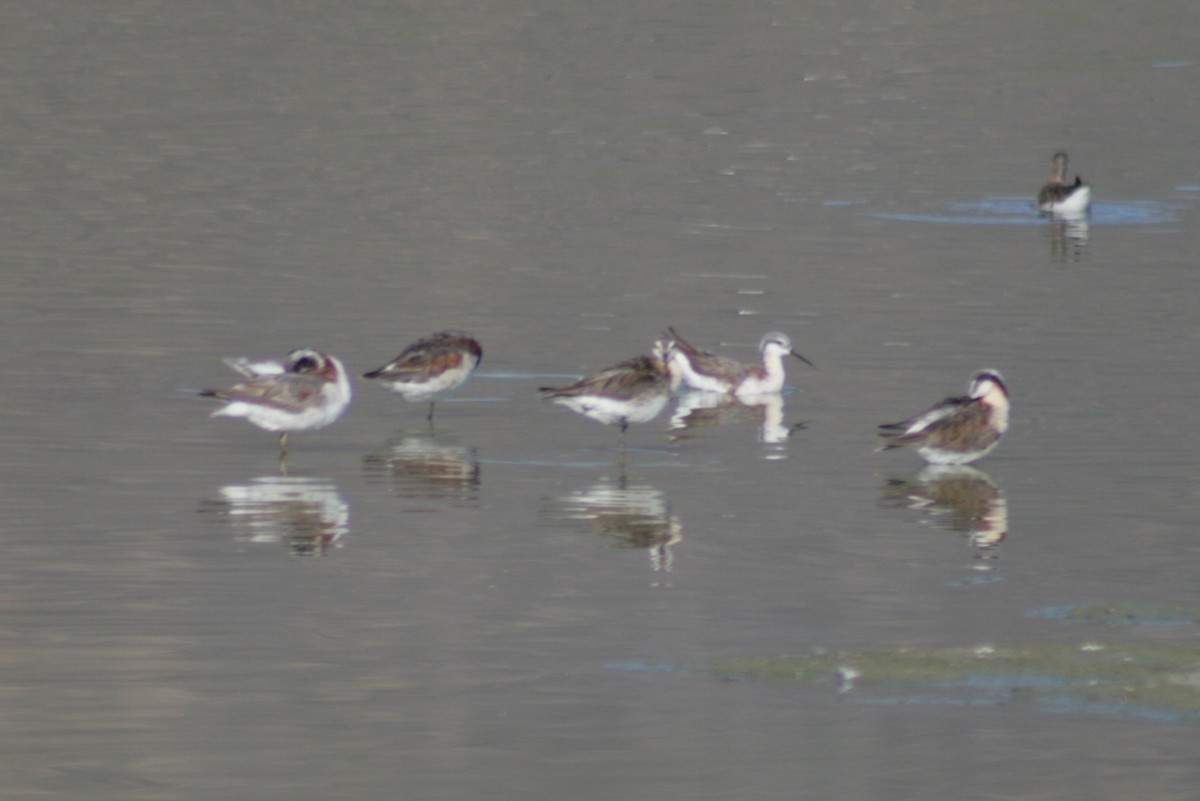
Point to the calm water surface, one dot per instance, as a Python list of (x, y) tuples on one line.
[(505, 605)]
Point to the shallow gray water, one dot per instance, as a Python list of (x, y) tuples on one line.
[(446, 614)]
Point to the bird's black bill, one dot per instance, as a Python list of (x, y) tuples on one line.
[(801, 358)]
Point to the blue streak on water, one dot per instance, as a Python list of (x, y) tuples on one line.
[(1020, 211), (634, 666), (912, 700), (1069, 705), (999, 689), (1005, 682), (1053, 612), (1053, 704), (975, 581), (1065, 612)]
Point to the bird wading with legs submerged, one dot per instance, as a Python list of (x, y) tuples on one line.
[(957, 430), (709, 372)]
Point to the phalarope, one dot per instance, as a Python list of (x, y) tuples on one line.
[(957, 430), (633, 391), (712, 373), (308, 390), (430, 367), (1060, 197)]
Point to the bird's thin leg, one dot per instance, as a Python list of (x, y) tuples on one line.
[(283, 451)]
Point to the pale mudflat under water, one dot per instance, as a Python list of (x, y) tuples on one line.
[(505, 604)]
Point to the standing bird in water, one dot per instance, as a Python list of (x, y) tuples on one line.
[(1060, 197), (957, 430), (633, 391), (430, 367), (709, 372), (308, 390)]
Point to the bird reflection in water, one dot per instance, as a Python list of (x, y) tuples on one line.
[(636, 516), (699, 409), (958, 498), (1068, 237), (427, 465), (306, 515)]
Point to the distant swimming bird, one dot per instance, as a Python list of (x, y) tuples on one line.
[(430, 367), (957, 430), (711, 373), (308, 390), (1059, 197), (634, 391)]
